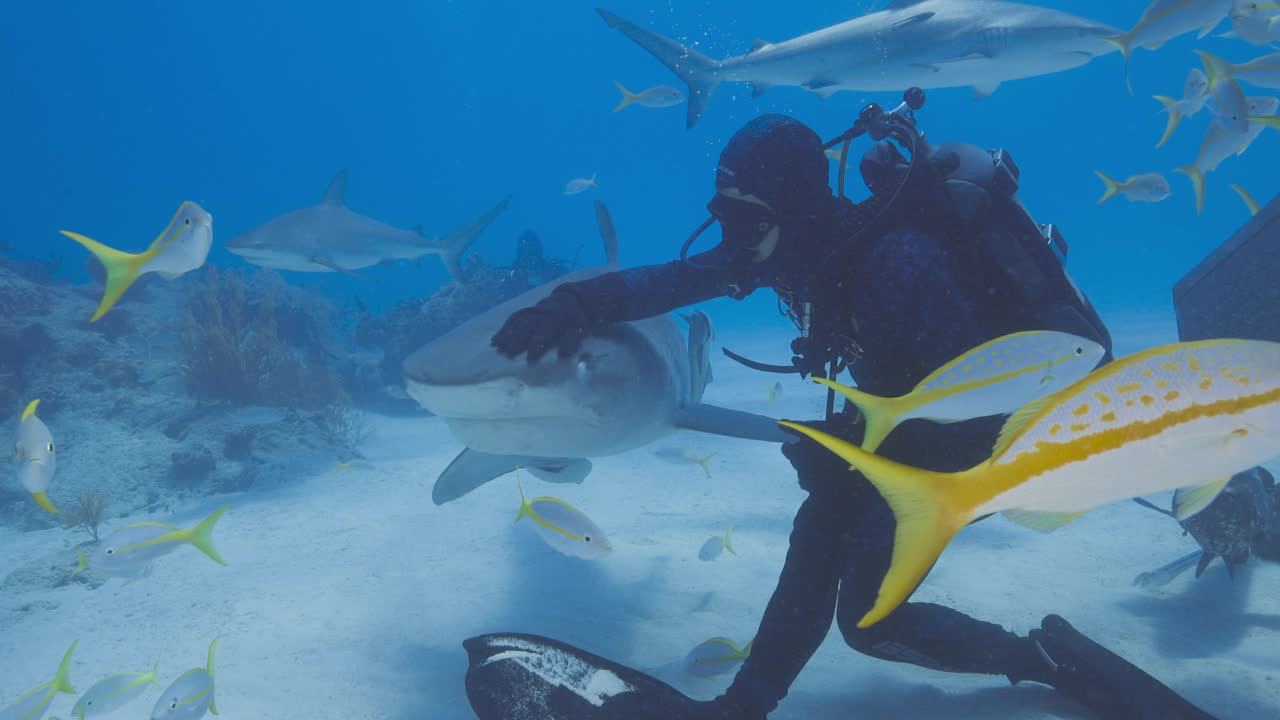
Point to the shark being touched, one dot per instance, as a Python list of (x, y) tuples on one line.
[(627, 385), (330, 237), (921, 43)]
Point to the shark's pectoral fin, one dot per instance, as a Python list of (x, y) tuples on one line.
[(559, 470), (472, 469), (913, 20), (983, 54), (822, 87), (758, 89), (985, 89), (731, 423), (327, 263), (1208, 28), (927, 66)]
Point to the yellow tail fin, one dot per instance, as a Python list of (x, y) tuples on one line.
[(926, 515), (704, 462), (43, 501), (201, 536), (524, 504), (122, 269), (1175, 117), (213, 702), (882, 414), (1197, 183), (628, 97), (1123, 43), (1113, 187), (62, 680), (1216, 69)]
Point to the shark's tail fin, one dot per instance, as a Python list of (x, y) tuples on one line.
[(698, 71), (454, 244)]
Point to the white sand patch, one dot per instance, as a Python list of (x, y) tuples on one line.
[(347, 595)]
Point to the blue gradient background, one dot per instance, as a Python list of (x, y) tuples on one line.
[(113, 115)]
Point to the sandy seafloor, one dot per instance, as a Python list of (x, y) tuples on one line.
[(347, 594)]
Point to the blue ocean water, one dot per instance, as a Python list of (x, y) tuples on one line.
[(113, 114), (117, 115)]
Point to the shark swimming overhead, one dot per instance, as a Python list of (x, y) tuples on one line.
[(330, 237), (629, 384), (921, 43)]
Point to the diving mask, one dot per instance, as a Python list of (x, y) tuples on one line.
[(747, 226)]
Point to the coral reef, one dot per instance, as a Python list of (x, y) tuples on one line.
[(243, 341), (87, 514), (343, 428), (167, 398)]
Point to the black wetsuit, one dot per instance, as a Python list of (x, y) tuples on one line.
[(917, 300)]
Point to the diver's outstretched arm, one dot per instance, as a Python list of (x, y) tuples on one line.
[(560, 320)]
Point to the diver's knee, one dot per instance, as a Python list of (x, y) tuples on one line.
[(860, 639)]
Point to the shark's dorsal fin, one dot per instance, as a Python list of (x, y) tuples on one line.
[(337, 192), (607, 233), (757, 44)]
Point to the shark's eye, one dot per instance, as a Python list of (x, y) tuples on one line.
[(1079, 350), (173, 705), (50, 447), (186, 221), (111, 551), (586, 538)]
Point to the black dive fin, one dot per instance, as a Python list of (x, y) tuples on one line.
[(512, 676), (1110, 686), (472, 469)]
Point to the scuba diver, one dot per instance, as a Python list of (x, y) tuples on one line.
[(1243, 521), (939, 259)]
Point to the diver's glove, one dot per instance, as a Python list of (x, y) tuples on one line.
[(1107, 684), (816, 466), (560, 320)]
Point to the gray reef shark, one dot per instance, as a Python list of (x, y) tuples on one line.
[(330, 237), (627, 385), (921, 43)]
